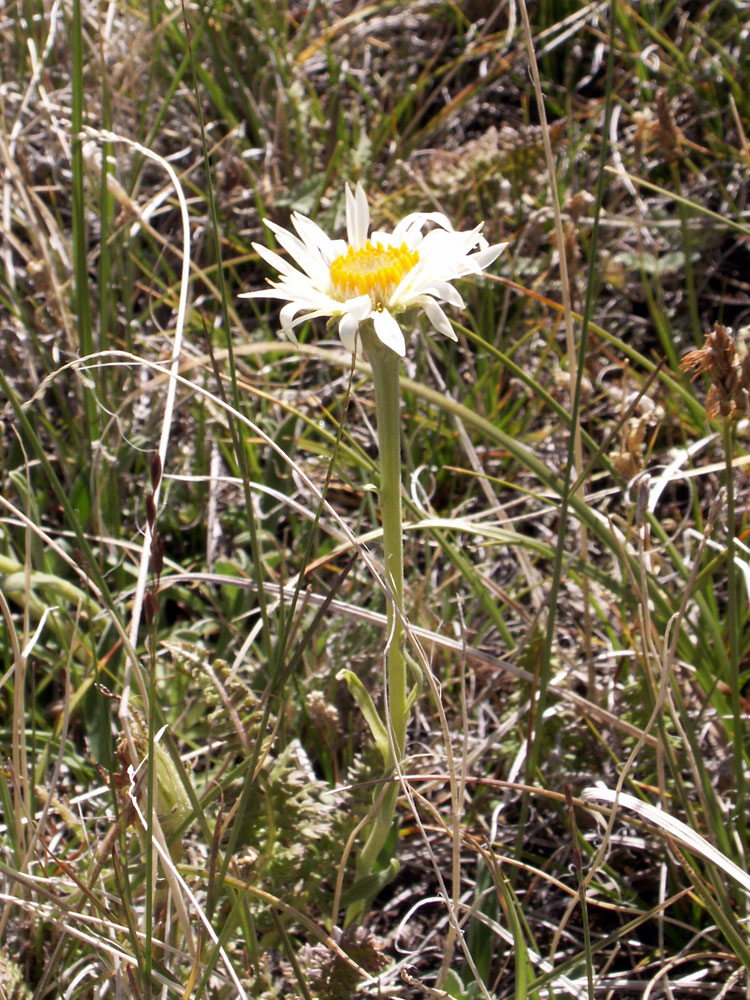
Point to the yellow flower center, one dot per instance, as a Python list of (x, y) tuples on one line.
[(372, 270)]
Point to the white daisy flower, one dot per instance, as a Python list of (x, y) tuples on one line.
[(376, 277)]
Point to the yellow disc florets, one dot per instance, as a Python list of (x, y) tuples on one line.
[(372, 270)]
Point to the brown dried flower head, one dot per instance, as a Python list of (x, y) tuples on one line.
[(729, 395), (668, 133)]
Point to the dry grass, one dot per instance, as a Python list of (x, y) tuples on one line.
[(183, 780)]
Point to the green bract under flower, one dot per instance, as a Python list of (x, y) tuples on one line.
[(375, 277)]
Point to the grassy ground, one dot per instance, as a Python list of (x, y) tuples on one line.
[(185, 499)]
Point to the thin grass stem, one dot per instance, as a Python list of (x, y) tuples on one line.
[(733, 672)]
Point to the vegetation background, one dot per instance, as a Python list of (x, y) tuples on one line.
[(185, 498)]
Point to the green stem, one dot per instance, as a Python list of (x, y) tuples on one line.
[(385, 375), (376, 838)]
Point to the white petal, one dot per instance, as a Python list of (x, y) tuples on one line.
[(445, 291), (451, 248), (410, 286), (420, 282), (389, 332), (360, 308), (287, 315), (475, 263), (321, 304), (348, 328), (381, 236), (357, 216), (282, 266), (415, 222), (312, 315), (355, 311), (443, 255), (315, 239), (310, 231), (437, 317), (306, 317), (486, 257), (309, 259)]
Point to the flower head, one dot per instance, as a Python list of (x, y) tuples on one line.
[(729, 394), (375, 277)]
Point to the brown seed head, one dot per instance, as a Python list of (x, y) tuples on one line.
[(668, 134), (729, 394)]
